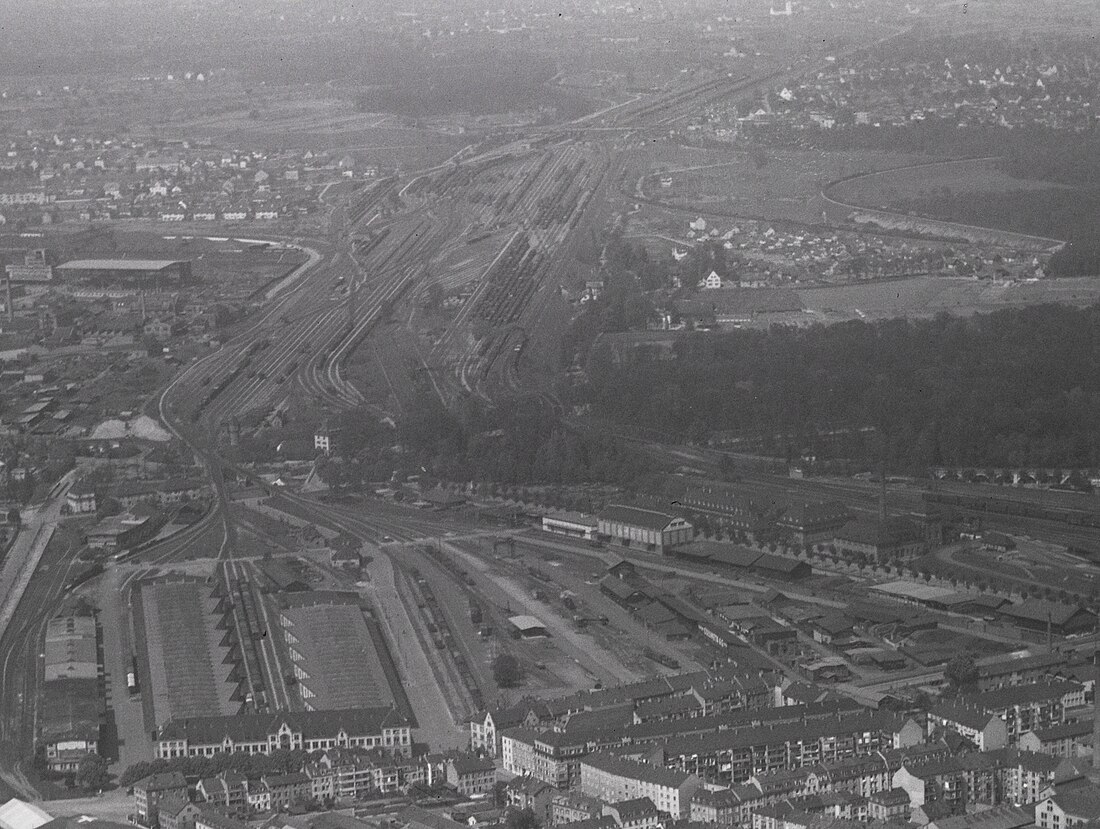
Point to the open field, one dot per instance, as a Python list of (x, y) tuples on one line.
[(926, 296), (780, 184), (889, 187)]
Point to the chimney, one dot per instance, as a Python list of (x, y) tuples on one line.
[(1096, 714), (882, 497)]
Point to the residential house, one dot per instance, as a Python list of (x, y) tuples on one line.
[(149, 791), (471, 775), (985, 730), (612, 779)]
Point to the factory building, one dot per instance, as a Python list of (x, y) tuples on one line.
[(643, 528)]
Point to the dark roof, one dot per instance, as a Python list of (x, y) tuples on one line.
[(734, 556), (468, 764), (897, 530), (423, 819), (779, 564), (162, 782), (1064, 731), (634, 807), (1083, 802), (311, 724), (1038, 610), (833, 623), (809, 515), (70, 708), (636, 516), (1011, 695), (966, 715), (890, 797), (605, 822), (619, 588)]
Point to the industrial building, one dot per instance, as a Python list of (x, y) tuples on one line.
[(72, 701), (813, 523), (185, 657), (643, 528), (335, 657), (528, 627), (572, 524), (156, 271), (264, 733), (896, 537)]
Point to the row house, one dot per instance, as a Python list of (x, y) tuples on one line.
[(1029, 707), (985, 730), (228, 790), (954, 781), (613, 779), (736, 755)]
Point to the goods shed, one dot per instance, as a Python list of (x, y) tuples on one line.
[(528, 627)]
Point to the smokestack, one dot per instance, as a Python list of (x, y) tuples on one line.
[(11, 308), (142, 306), (882, 497), (1096, 713)]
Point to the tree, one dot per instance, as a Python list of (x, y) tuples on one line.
[(91, 774), (521, 819), (961, 671), (507, 671)]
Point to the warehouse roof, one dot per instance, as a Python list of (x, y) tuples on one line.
[(70, 709), (581, 519), (119, 264), (311, 724), (637, 516), (527, 624), (18, 814), (338, 655), (1037, 610), (914, 591)]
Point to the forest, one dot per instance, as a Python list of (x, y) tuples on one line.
[(1013, 387), (523, 441)]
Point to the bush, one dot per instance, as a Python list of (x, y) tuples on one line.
[(507, 671)]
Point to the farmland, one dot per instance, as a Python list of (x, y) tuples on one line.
[(888, 188), (774, 184), (926, 296)]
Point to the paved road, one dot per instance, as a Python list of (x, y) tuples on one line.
[(436, 726), (22, 560), (133, 742)]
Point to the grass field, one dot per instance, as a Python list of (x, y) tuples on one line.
[(886, 189), (782, 184), (924, 296)]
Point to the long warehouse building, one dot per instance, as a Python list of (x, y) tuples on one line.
[(336, 660)]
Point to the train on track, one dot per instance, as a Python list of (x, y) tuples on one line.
[(990, 503)]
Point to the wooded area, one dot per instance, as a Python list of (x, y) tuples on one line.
[(1014, 387)]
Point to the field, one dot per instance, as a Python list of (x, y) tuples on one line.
[(926, 296), (779, 184), (889, 188)]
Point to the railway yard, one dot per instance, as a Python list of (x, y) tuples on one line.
[(455, 282)]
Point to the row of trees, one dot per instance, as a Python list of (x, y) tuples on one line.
[(281, 761)]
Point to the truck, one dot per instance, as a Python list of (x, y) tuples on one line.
[(475, 612)]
